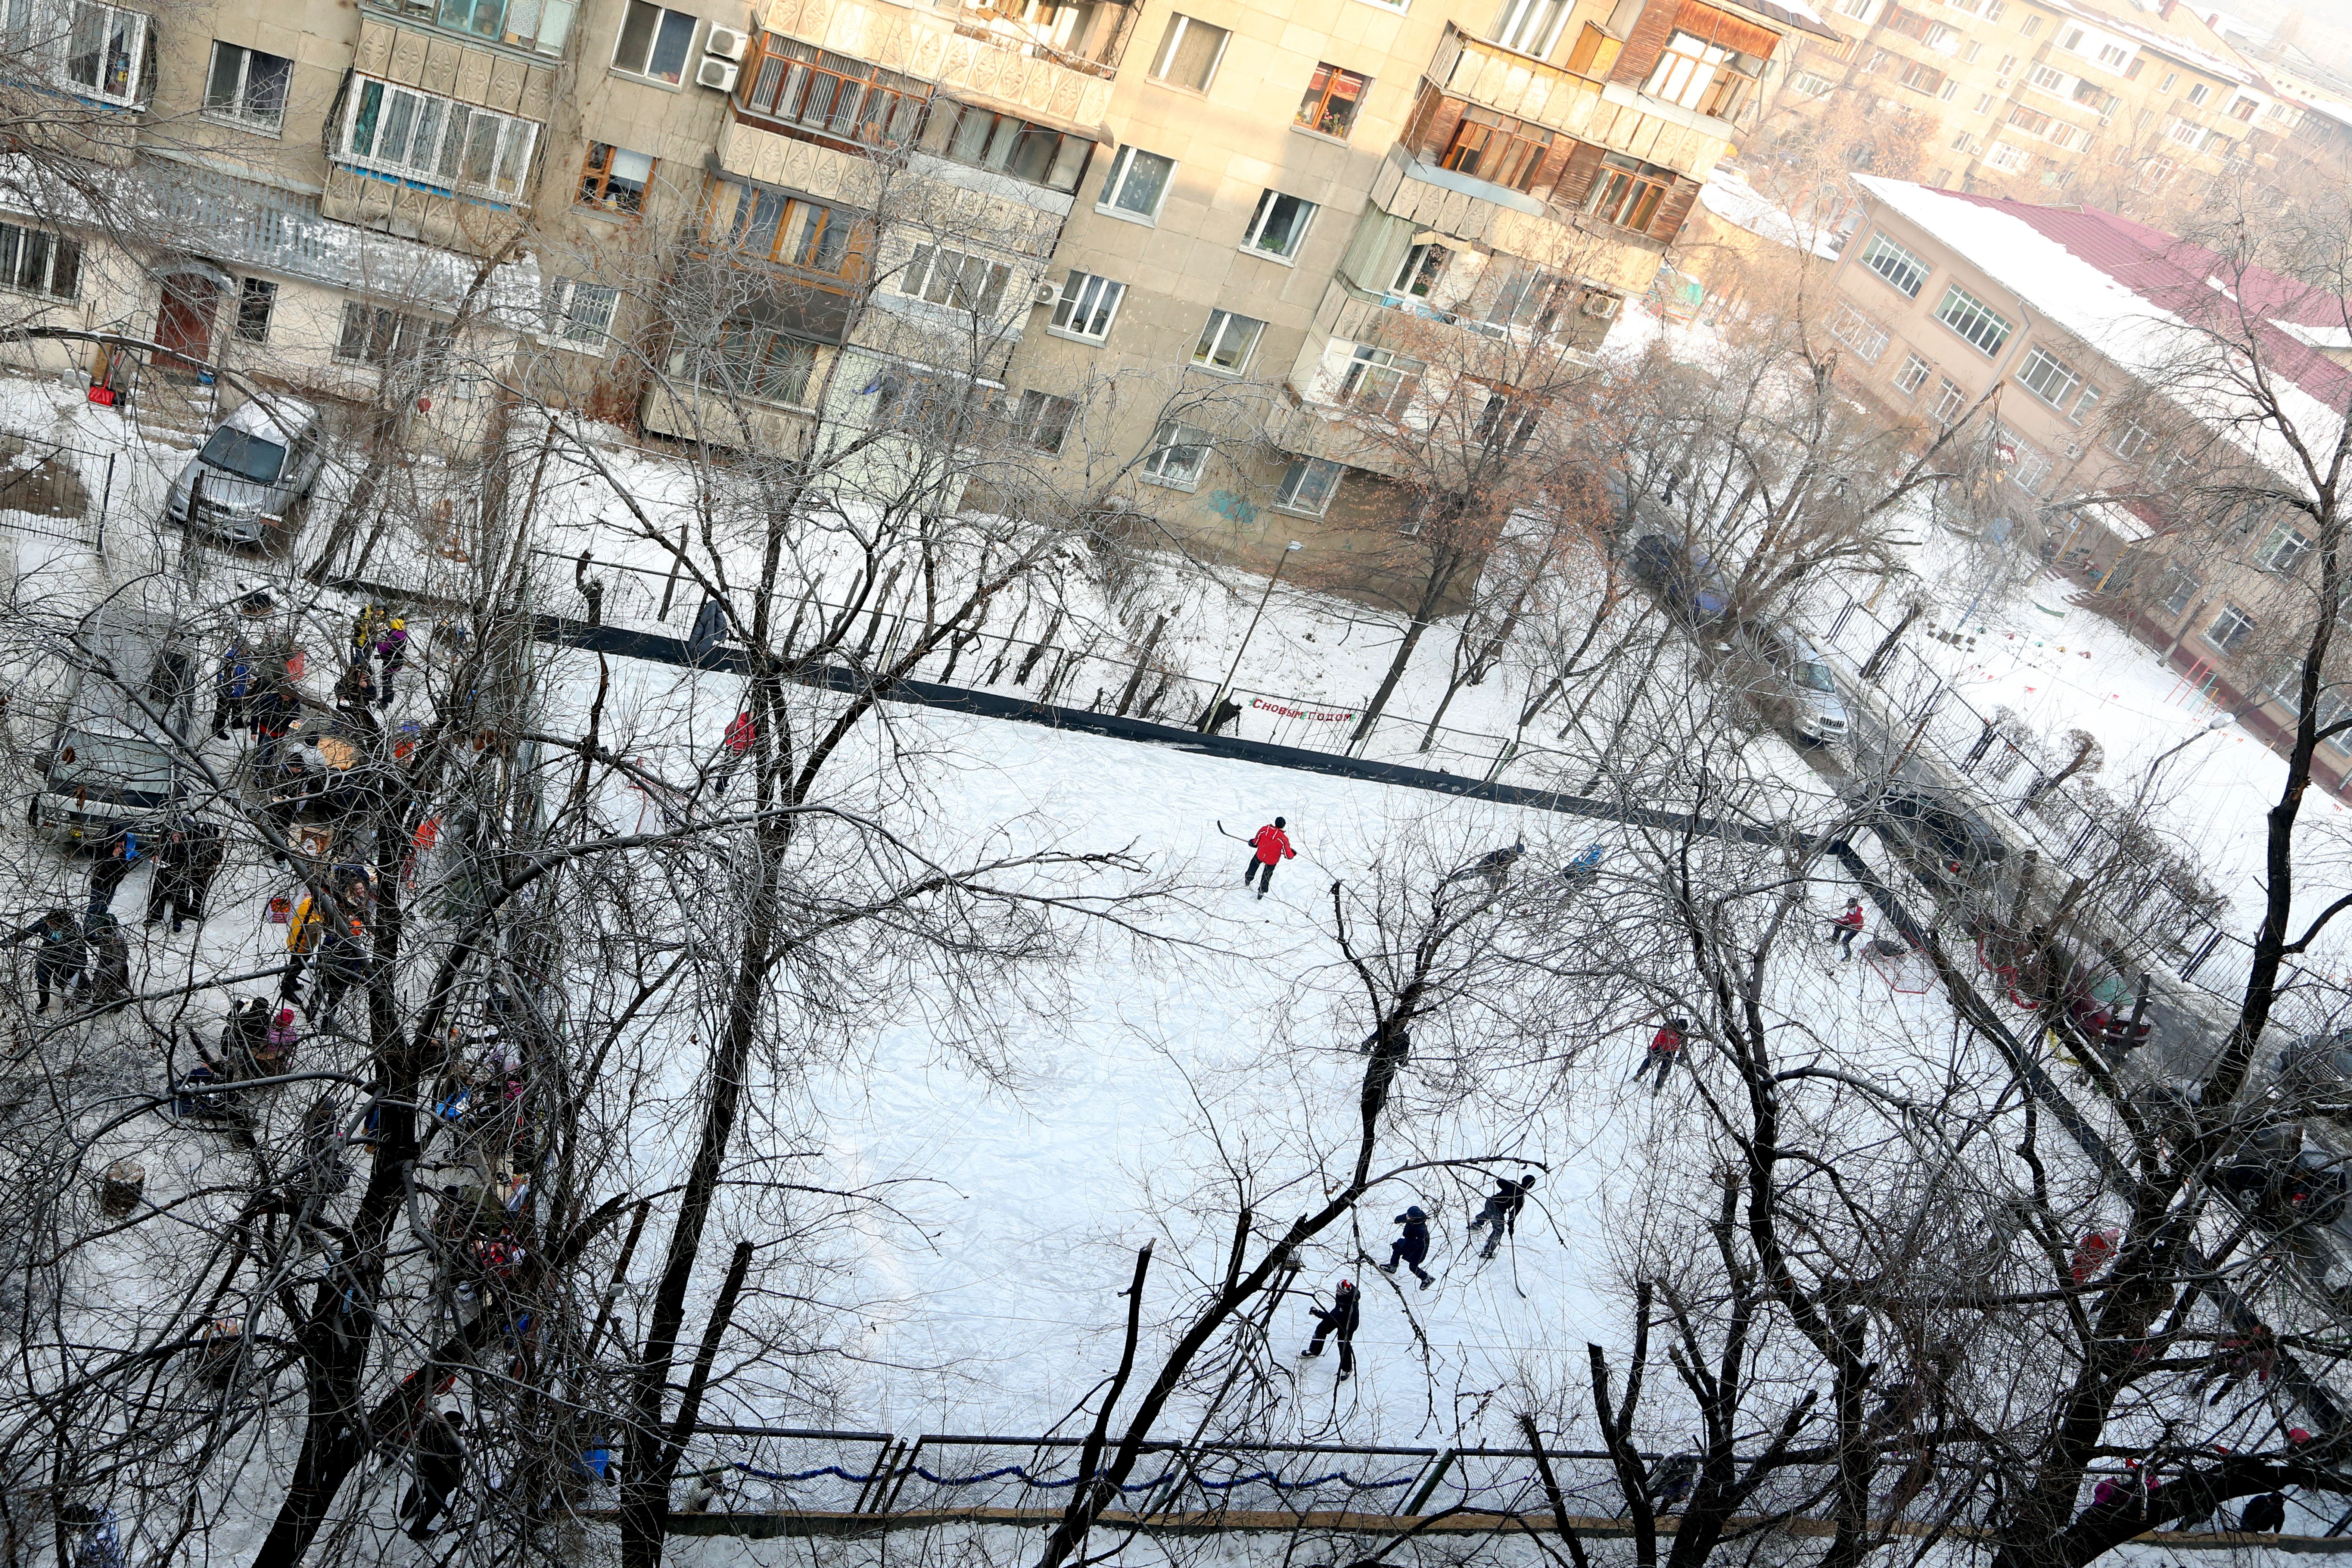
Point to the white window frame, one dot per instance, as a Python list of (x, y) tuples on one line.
[(580, 316), (445, 113), (1912, 375), (1217, 335), (1030, 420), (2085, 404), (1397, 378), (1686, 69), (1528, 28), (1898, 258), (1160, 464), (1308, 485), (2048, 377), (1957, 301), (2199, 92), (1267, 204), (1086, 295), (1857, 331), (68, 21), (942, 274), (1179, 26), (644, 70), (1115, 184), (240, 93), (2131, 441), (1951, 401), (2238, 635), (2287, 548)]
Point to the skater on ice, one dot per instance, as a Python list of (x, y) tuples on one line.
[(1270, 845), (1502, 1211), (1664, 1046), (1338, 1322), (1847, 926), (1494, 865), (1412, 1247)]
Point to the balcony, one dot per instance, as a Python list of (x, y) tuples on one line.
[(1513, 84), (976, 53)]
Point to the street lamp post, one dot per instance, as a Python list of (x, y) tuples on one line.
[(1208, 725)]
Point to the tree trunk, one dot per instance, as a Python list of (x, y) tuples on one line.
[(1876, 665)]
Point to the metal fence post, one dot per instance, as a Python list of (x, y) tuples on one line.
[(1438, 1467)]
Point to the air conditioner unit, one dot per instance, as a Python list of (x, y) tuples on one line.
[(726, 43), (1046, 293), (717, 73), (1600, 307)]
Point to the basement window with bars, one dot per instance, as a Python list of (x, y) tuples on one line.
[(381, 336), (580, 315)]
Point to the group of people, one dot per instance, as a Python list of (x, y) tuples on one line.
[(329, 938), (1499, 1216), (1271, 845)]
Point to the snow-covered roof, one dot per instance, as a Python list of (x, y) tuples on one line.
[(2140, 298), (2164, 43), (1743, 206)]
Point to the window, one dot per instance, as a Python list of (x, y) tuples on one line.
[(2061, 134), (32, 262), (1857, 331), (1984, 103), (966, 133), (2285, 550), (247, 86), (1279, 226), (1504, 420), (2244, 109), (2032, 122), (1877, 61), (1137, 185), (1914, 24), (1333, 97), (2086, 405), (1491, 146), (2047, 377), (378, 335), (1857, 9), (2050, 80), (2184, 131), (956, 278), (257, 302), (1531, 26), (1906, 269), (1950, 401), (2199, 93), (1921, 79), (450, 146), (2130, 441), (2029, 469), (1380, 382), (1086, 306), (2169, 78), (2071, 40), (764, 365), (1985, 328), (788, 230), (1964, 142), (1226, 341), (1179, 452), (1807, 85), (2230, 630), (1422, 265), (1951, 90), (2179, 588), (106, 51), (654, 42), (1307, 486), (1043, 421), (1968, 55), (1525, 295), (2112, 56), (580, 315), (1697, 74), (1188, 53), (1629, 193), (2030, 27), (829, 94), (1912, 375), (614, 179)]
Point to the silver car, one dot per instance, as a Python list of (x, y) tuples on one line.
[(257, 464), (1820, 716)]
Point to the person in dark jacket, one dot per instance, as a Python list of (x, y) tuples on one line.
[(233, 692), (1270, 844), (1339, 1321), (58, 961), (106, 874), (173, 881), (108, 978), (1670, 1484), (1412, 1247), (2264, 1515), (1502, 1211), (1494, 865), (440, 1465)]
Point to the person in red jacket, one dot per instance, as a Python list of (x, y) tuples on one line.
[(1272, 844), (732, 750), (1664, 1046), (1847, 926)]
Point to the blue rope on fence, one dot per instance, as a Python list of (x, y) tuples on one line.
[(1267, 1477)]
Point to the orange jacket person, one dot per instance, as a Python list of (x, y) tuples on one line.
[(1272, 844)]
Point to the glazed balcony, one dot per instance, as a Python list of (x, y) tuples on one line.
[(980, 53)]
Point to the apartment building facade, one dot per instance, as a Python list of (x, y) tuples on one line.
[(1946, 299), (2027, 95)]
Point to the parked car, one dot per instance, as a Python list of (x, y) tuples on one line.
[(1816, 713), (252, 471), (130, 710), (1685, 578), (1960, 846)]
